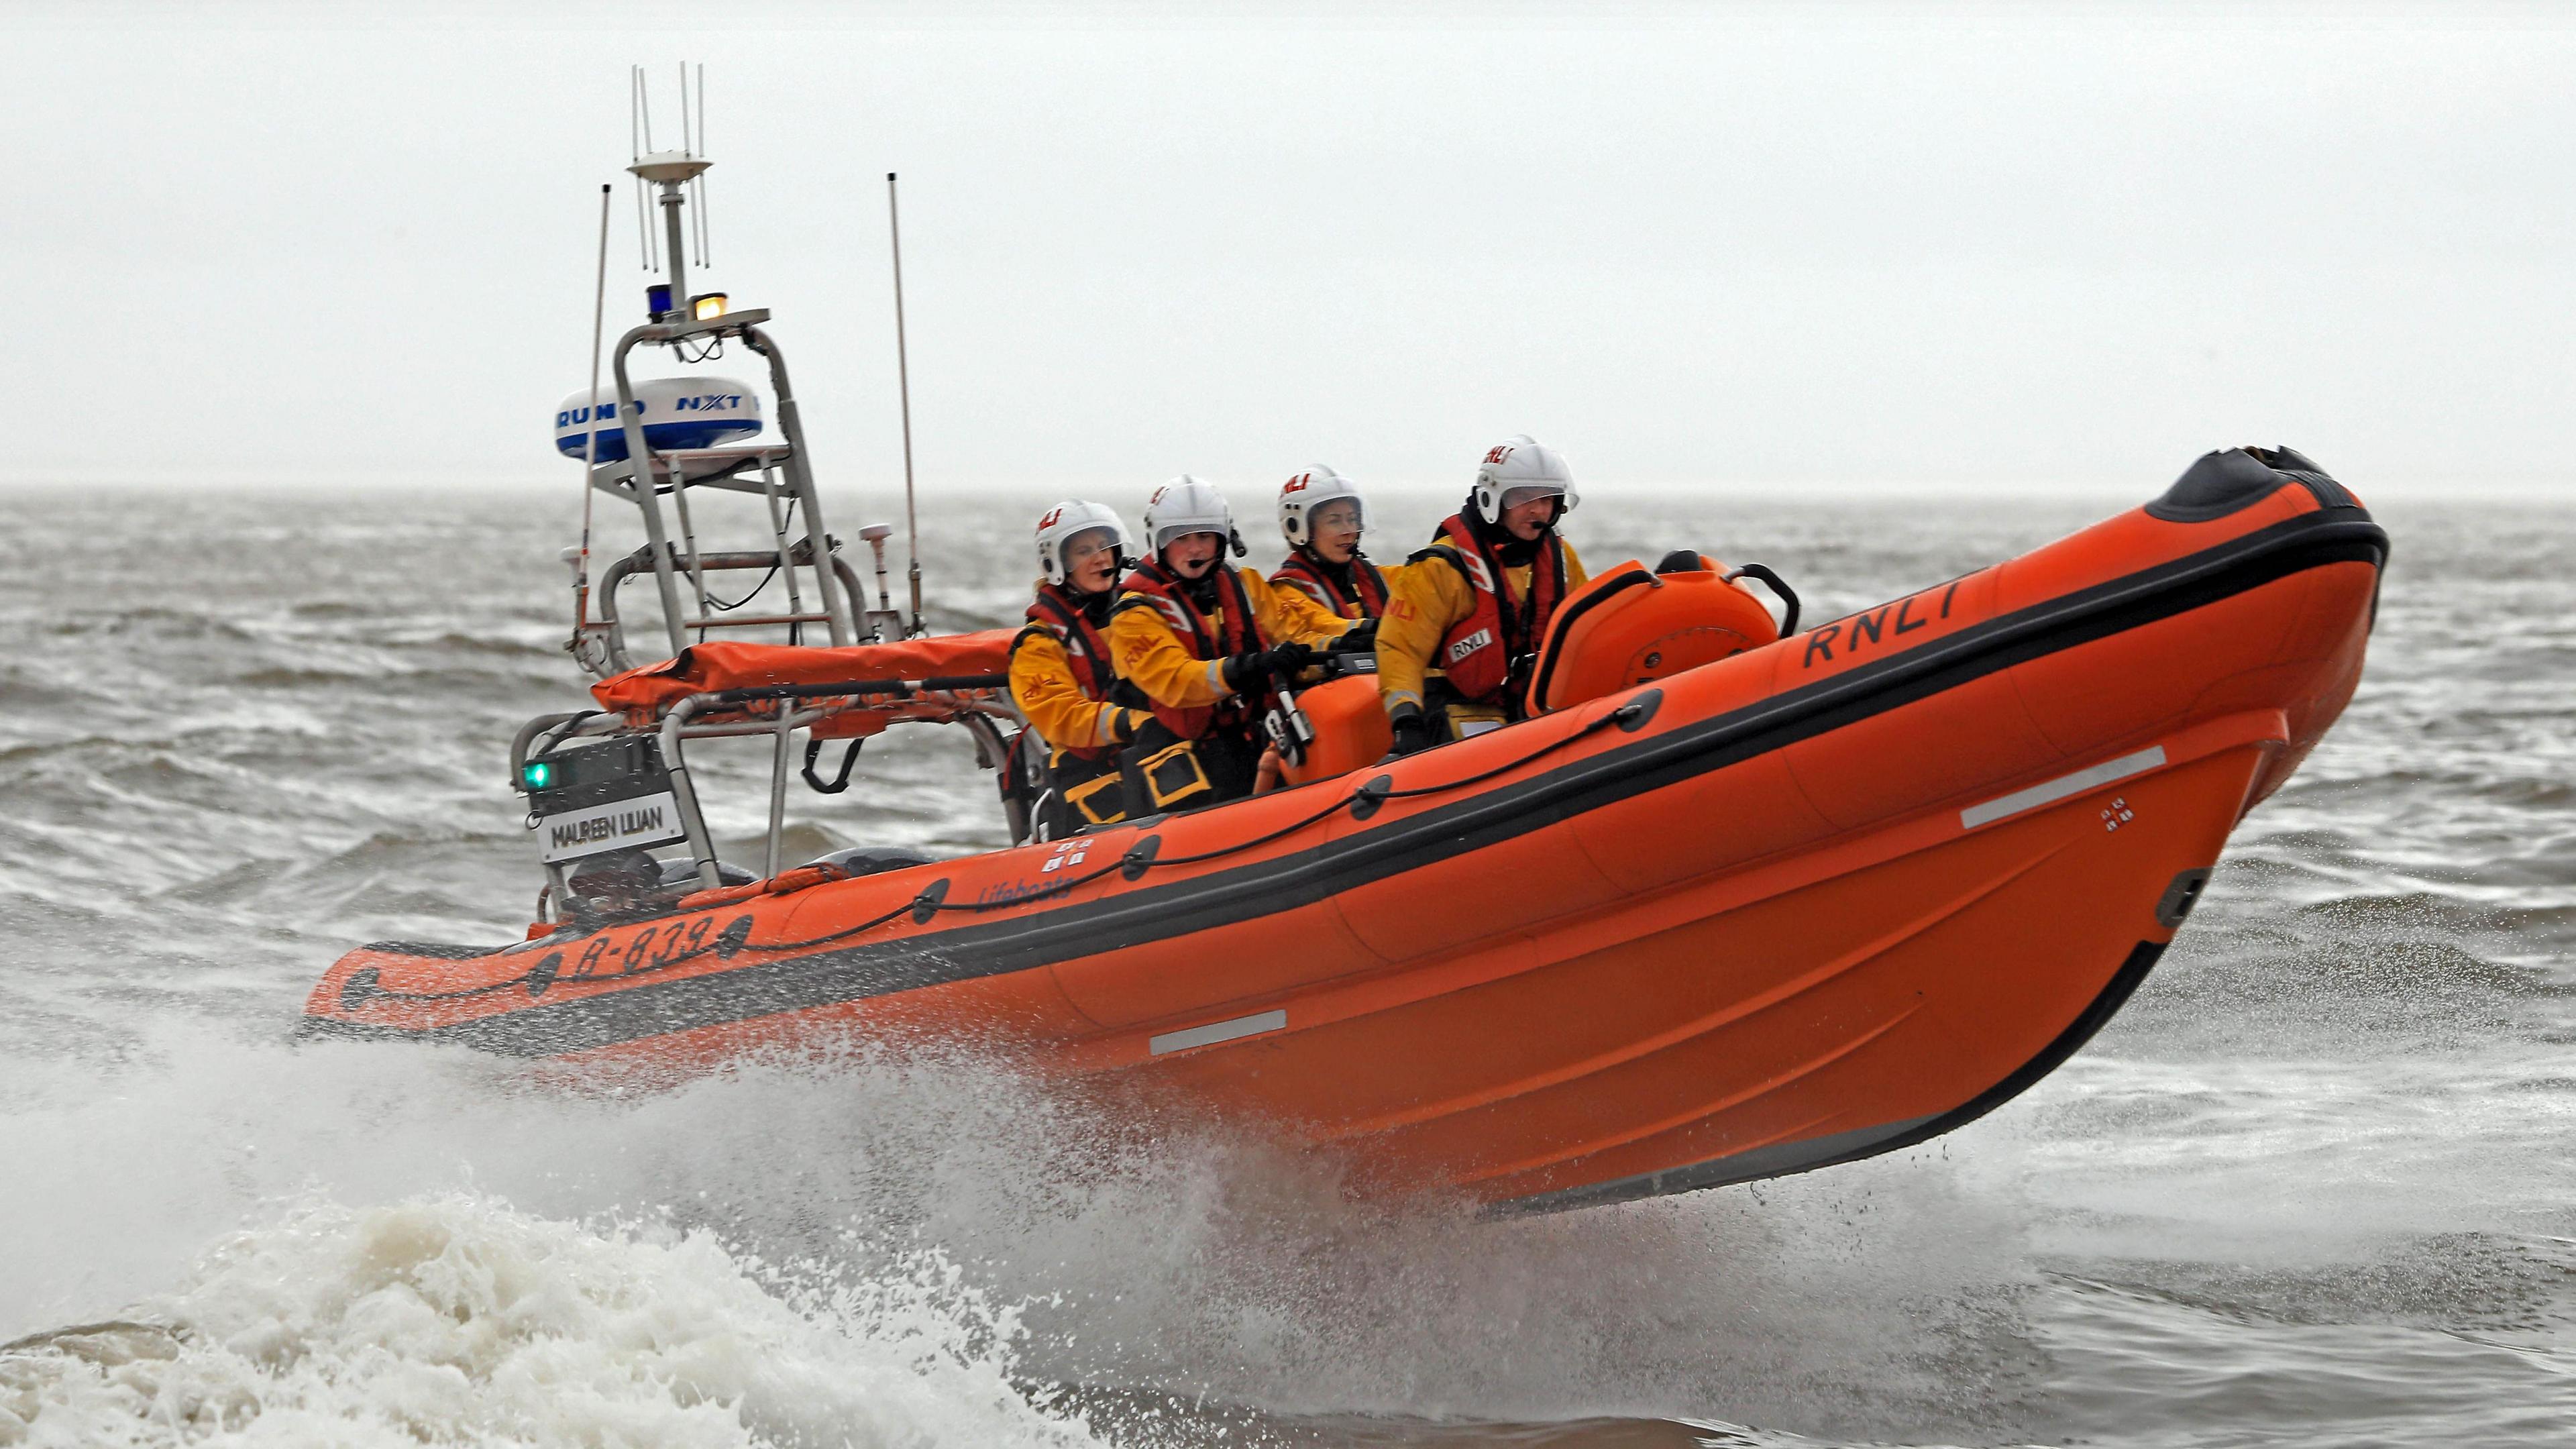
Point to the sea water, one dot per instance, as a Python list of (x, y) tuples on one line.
[(2313, 1186)]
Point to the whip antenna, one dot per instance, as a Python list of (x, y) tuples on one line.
[(903, 382), (590, 431), (698, 183), (643, 208), (635, 153)]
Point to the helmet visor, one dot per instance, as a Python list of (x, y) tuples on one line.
[(1531, 493), (1170, 534), (1088, 542), (1334, 513)]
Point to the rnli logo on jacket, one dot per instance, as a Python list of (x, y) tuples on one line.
[(1470, 644)]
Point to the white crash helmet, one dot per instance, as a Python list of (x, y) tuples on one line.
[(1308, 491), (1185, 506), (1061, 524), (1521, 467)]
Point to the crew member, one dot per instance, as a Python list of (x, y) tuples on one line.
[(1060, 670), (1475, 605), (1321, 515), (1199, 642)]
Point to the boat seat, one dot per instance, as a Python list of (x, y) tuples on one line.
[(1630, 625), (682, 874), (871, 859)]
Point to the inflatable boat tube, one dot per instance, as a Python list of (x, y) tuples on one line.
[(1818, 899)]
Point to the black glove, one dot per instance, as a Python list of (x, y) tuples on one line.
[(1412, 731), (1246, 670), (1360, 638)]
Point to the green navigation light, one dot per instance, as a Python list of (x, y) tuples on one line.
[(537, 774)]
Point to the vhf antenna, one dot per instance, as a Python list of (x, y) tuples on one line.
[(903, 381), (679, 176), (694, 144), (639, 140), (698, 183)]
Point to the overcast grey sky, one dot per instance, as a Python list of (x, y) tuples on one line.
[(1754, 246)]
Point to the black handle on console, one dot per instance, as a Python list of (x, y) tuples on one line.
[(1788, 595)]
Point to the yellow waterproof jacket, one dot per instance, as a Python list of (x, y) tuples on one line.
[(1303, 575), (1049, 692), (1428, 599), (1153, 656)]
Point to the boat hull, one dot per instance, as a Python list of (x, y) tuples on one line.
[(1813, 902)]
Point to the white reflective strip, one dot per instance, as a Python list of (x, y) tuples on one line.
[(1217, 1031), (2064, 785)]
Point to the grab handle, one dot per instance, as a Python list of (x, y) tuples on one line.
[(841, 781), (1788, 595)]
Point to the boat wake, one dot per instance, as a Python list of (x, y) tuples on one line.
[(2310, 1186), (456, 1319), (417, 1245)]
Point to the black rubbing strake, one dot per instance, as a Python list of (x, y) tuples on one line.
[(1283, 883)]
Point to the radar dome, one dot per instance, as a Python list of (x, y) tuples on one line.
[(677, 412)]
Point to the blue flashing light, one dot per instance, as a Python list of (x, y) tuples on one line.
[(657, 299)]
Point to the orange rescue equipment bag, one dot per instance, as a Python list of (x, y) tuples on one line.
[(1629, 625)]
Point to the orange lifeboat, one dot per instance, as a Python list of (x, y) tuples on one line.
[(1728, 907)]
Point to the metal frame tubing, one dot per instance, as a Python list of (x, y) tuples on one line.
[(800, 476), (639, 463), (787, 725), (980, 717), (604, 596), (702, 846)]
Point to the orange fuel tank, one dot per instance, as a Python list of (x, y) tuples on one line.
[(1351, 729)]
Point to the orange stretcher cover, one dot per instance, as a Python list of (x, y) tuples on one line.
[(735, 664)]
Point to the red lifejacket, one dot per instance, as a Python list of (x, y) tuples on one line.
[(1487, 654), (1059, 613), (1366, 600), (1149, 586)]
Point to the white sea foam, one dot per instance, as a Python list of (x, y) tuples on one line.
[(456, 1319), (2323, 1146), (1128, 1253)]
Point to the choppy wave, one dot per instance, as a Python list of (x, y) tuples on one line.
[(2310, 1188), (460, 1320)]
